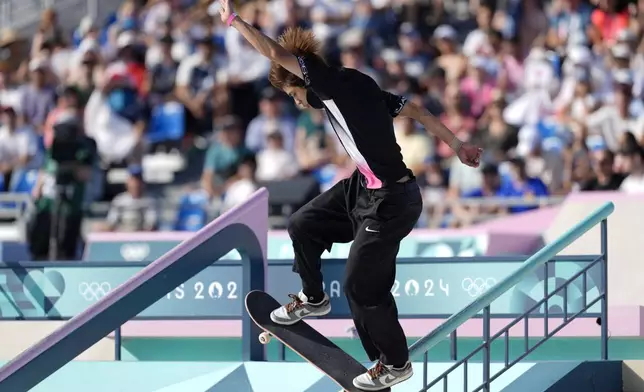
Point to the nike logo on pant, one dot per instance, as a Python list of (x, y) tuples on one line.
[(371, 230)]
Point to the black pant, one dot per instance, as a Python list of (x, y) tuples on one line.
[(68, 236), (376, 220)]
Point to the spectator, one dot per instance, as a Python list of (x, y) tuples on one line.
[(540, 162), (478, 87), (476, 43), (491, 186), (450, 59), (48, 31), (415, 146), (627, 143), (195, 82), (522, 185), (567, 22), (271, 117), (84, 70), (434, 184), (129, 54), (411, 44), (18, 145), (613, 119), (59, 194), (38, 97), (457, 118), (634, 182), (353, 52), (434, 83), (605, 177), (611, 17), (243, 184), (116, 118), (67, 108), (493, 134), (224, 157), (274, 163), (162, 75), (133, 210), (314, 145)]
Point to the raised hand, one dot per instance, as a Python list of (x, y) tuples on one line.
[(226, 10)]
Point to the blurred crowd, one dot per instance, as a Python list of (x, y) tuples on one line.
[(552, 90)]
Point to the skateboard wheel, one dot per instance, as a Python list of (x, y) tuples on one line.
[(264, 337)]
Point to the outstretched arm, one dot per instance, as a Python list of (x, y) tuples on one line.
[(469, 154), (263, 44)]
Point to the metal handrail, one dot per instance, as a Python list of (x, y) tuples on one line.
[(483, 302), (505, 331)]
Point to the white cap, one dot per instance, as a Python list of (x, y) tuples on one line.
[(391, 55), (351, 38), (445, 32), (580, 55), (125, 39), (621, 51)]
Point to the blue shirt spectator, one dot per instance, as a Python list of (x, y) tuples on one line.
[(271, 119), (523, 186)]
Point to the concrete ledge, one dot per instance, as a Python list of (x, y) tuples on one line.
[(633, 376)]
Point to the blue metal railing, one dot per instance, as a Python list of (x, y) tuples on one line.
[(483, 303)]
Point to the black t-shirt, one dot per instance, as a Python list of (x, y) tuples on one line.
[(612, 184), (362, 116)]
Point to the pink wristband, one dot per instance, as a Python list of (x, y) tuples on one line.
[(231, 18)]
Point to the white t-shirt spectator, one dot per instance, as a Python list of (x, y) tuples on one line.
[(244, 62), (275, 165), (188, 65), (607, 123), (634, 183), (129, 214), (237, 193), (415, 148), (464, 178), (261, 126), (15, 145)]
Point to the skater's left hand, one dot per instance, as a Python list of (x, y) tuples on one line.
[(470, 154), (225, 9)]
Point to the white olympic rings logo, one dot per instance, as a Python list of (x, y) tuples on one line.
[(477, 286), (94, 291)]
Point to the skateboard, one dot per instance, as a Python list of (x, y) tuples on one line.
[(305, 341)]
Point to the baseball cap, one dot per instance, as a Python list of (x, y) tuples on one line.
[(135, 171), (445, 32)]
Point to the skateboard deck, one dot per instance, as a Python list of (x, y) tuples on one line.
[(305, 341)]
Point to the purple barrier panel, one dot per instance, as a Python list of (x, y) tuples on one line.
[(243, 228)]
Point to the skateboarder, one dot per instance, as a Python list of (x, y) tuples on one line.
[(375, 208)]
